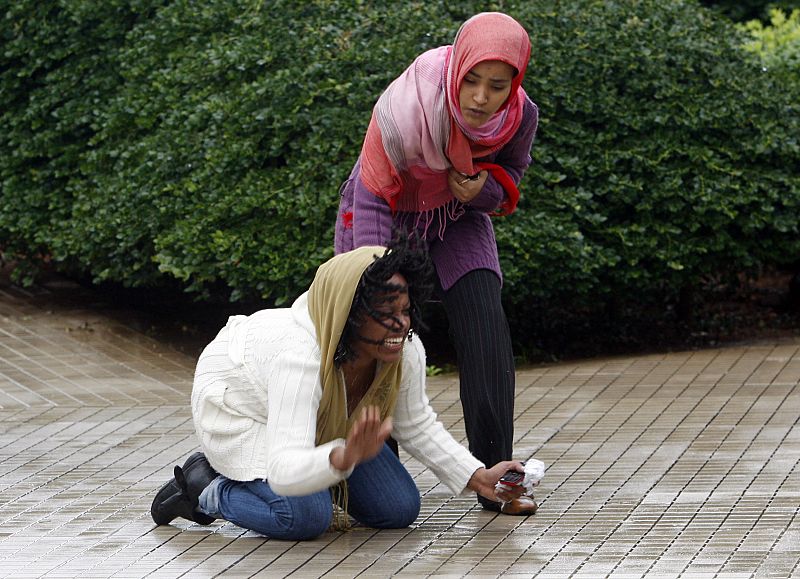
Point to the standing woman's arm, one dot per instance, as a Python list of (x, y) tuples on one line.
[(515, 158), (372, 217)]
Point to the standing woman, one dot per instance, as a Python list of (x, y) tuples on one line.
[(447, 145)]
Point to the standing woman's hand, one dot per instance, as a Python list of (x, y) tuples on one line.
[(463, 187), (364, 441)]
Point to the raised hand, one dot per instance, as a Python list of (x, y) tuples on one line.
[(365, 439)]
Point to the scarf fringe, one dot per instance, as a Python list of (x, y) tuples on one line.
[(423, 221), (340, 496)]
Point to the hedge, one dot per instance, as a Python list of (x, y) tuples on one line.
[(742, 10), (665, 156), (146, 143), (57, 70), (778, 44)]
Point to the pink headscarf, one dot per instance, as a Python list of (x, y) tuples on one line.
[(417, 131)]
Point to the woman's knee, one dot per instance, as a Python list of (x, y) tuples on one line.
[(301, 518), (278, 517), (407, 512), (474, 298), (301, 530), (398, 513)]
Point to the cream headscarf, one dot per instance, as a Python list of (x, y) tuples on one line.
[(329, 300)]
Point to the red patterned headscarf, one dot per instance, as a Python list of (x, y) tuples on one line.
[(417, 132)]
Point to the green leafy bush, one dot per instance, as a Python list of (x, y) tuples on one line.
[(203, 142), (217, 158), (777, 44), (57, 69), (665, 155), (742, 10)]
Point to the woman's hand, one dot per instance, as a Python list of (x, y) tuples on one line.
[(463, 187), (483, 481), (365, 439)]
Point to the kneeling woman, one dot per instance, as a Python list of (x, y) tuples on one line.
[(293, 408)]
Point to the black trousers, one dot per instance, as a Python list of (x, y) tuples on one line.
[(482, 340)]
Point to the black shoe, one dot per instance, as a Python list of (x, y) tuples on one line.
[(490, 505), (179, 497)]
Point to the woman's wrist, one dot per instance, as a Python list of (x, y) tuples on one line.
[(338, 458), (489, 197), (475, 481)]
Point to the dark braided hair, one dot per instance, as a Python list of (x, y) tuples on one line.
[(406, 255)]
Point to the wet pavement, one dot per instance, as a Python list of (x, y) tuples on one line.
[(682, 464)]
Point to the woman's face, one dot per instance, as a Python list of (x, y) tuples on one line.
[(484, 90), (382, 338)]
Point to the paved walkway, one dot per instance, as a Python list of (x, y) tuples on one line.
[(680, 464)]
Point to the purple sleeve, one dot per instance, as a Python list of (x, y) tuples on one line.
[(372, 217), (514, 157)]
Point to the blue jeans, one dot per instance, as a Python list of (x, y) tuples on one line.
[(381, 495)]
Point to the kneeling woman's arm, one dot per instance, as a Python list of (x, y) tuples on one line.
[(418, 430), (295, 465)]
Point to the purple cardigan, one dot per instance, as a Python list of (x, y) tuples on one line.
[(460, 236)]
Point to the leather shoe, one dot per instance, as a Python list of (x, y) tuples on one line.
[(524, 506), (180, 496)]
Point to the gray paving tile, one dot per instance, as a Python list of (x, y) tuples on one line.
[(665, 465)]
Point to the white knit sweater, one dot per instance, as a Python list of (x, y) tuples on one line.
[(255, 399)]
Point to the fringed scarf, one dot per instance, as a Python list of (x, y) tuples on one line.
[(330, 297), (417, 131)]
